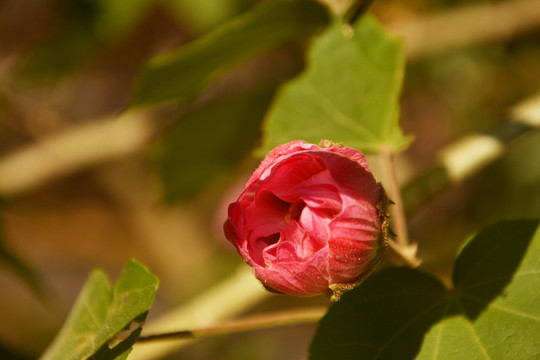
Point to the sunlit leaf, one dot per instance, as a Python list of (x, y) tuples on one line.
[(183, 73), (348, 94), (102, 311), (207, 143), (495, 310), (492, 313)]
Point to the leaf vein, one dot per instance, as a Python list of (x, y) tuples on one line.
[(503, 308), (439, 334), (473, 332), (91, 336), (337, 115), (480, 262), (493, 280), (406, 326)]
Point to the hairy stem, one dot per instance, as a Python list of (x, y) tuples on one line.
[(401, 249), (281, 318), (397, 210)]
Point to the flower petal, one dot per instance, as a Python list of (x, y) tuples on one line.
[(297, 278), (308, 219)]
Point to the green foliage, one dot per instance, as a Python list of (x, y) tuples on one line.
[(349, 93), (101, 312), (183, 73), (117, 17), (84, 27), (202, 15), (492, 312), (205, 144)]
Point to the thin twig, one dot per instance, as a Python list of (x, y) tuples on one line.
[(467, 26), (107, 139), (226, 299), (281, 318), (469, 155)]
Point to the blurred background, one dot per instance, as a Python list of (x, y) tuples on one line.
[(67, 66)]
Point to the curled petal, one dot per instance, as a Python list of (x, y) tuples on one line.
[(308, 221)]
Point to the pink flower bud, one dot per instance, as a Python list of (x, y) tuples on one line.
[(311, 220)]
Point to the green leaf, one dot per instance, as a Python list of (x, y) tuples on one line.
[(118, 17), (183, 73), (384, 318), (202, 15), (349, 93), (82, 30), (101, 312), (493, 312), (208, 142)]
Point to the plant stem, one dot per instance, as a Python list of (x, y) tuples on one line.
[(281, 318), (397, 210), (357, 10), (234, 295), (402, 249), (405, 255), (466, 26)]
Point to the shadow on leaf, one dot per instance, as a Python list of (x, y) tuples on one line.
[(487, 263), (402, 313)]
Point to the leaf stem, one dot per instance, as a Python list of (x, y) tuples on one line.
[(401, 248), (357, 9), (405, 255), (398, 212), (281, 318)]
